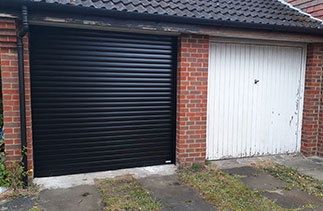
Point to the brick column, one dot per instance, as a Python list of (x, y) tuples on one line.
[(10, 92), (320, 132), (320, 137), (312, 101), (192, 99)]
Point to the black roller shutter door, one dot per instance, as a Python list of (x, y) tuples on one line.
[(101, 100)]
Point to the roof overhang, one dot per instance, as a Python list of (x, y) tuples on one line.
[(63, 15)]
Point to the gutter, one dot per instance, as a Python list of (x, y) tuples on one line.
[(20, 48)]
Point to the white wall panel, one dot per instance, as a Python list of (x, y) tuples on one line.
[(247, 118)]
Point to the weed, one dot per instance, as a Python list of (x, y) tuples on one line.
[(287, 188), (35, 207), (295, 178), (3, 171), (31, 189), (15, 174), (196, 167), (12, 175), (208, 163)]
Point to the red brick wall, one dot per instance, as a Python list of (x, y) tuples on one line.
[(312, 101), (313, 7), (10, 91), (192, 99)]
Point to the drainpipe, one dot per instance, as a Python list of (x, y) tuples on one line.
[(20, 48)]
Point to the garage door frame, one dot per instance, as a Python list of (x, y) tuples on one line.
[(303, 46)]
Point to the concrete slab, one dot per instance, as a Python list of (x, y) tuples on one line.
[(173, 195), (88, 178), (273, 188), (226, 164), (312, 166), (316, 159), (18, 204), (255, 179), (293, 199), (80, 198), (263, 182), (244, 171)]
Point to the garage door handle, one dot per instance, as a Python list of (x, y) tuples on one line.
[(256, 81)]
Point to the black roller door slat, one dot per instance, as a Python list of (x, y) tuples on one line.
[(111, 49), (81, 69), (113, 140), (88, 124), (108, 39), (96, 114), (80, 133), (101, 100), (96, 58), (66, 160), (53, 42), (59, 52), (105, 74), (100, 119), (74, 144), (101, 79)]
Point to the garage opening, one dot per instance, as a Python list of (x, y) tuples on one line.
[(101, 100), (255, 99)]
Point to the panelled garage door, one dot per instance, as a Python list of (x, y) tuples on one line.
[(101, 100), (254, 99)]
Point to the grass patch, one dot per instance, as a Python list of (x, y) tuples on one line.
[(226, 192), (125, 193), (295, 178)]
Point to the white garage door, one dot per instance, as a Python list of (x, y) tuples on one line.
[(255, 100)]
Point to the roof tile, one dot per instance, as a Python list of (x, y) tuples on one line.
[(269, 12)]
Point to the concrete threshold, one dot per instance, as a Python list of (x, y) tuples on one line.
[(88, 178)]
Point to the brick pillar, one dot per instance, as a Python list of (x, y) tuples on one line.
[(320, 137), (192, 99), (10, 92), (320, 132), (312, 100)]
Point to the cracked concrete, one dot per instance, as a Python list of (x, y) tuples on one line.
[(173, 195), (88, 178), (80, 198)]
